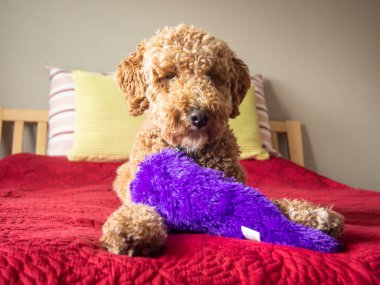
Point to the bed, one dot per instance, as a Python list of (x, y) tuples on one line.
[(52, 211)]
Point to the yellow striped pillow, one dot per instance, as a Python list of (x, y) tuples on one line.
[(103, 129), (246, 129)]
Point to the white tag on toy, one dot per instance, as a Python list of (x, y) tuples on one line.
[(250, 234)]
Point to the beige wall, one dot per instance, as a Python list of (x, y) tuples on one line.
[(322, 59)]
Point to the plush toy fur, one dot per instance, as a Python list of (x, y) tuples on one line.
[(193, 198)]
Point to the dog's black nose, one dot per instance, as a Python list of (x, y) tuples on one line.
[(198, 117)]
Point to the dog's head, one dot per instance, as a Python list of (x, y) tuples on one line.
[(190, 82)]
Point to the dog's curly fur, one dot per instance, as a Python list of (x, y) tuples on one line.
[(179, 70)]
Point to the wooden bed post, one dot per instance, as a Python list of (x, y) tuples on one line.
[(293, 132), (1, 123)]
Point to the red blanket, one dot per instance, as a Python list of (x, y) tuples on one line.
[(52, 210)]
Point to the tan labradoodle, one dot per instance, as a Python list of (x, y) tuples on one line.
[(190, 84)]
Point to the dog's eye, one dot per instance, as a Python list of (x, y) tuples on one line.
[(167, 77), (215, 77)]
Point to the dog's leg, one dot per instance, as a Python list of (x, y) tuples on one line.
[(125, 173), (312, 215), (134, 229)]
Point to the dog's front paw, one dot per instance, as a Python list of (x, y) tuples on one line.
[(134, 229), (328, 221), (312, 215)]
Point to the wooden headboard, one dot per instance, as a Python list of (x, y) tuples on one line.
[(19, 118), (291, 130)]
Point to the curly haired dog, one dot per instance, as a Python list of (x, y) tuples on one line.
[(190, 84)]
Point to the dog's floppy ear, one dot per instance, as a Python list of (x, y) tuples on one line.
[(240, 83), (132, 82)]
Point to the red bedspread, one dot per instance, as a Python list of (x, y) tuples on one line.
[(52, 210)]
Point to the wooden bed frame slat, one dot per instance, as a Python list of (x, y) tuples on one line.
[(18, 137), (275, 143), (29, 116), (41, 137), (292, 130)]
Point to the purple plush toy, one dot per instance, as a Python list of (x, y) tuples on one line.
[(193, 198)]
